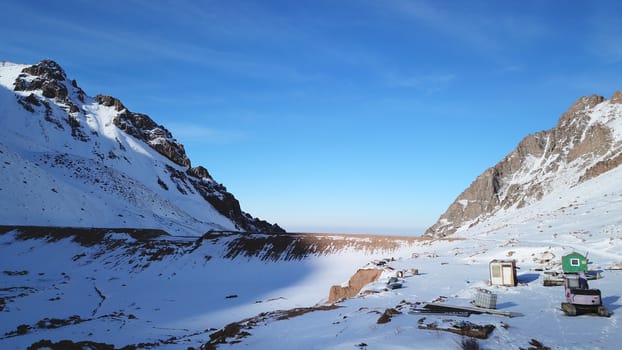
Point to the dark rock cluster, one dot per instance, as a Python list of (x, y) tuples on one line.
[(49, 77)]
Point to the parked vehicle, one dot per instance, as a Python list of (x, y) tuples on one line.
[(580, 299)]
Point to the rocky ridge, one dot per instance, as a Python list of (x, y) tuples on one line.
[(585, 143)]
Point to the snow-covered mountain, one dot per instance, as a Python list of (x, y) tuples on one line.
[(69, 159), (586, 143)]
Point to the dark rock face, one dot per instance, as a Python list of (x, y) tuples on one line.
[(49, 78), (199, 172), (144, 128), (29, 102), (47, 70), (575, 141), (173, 151), (110, 101)]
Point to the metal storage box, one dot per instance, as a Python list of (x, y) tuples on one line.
[(486, 299)]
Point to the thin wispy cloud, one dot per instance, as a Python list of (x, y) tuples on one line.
[(195, 43), (605, 36), (466, 29), (200, 134), (473, 25), (428, 84), (512, 68), (145, 43)]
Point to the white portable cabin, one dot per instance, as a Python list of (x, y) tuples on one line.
[(503, 273)]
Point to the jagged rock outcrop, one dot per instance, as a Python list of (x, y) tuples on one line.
[(199, 172), (109, 101), (144, 128), (584, 144), (49, 77)]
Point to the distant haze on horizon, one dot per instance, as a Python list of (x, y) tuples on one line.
[(323, 116)]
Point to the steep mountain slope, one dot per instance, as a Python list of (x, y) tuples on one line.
[(586, 143), (69, 159)]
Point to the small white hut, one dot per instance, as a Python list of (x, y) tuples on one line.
[(503, 273)]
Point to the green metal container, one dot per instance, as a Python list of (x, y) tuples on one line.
[(574, 263)]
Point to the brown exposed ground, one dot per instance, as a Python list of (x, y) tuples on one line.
[(268, 247), (296, 246), (149, 245), (361, 278), (86, 236)]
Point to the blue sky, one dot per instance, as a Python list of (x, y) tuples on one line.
[(334, 116)]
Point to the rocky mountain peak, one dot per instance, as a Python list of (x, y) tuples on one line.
[(582, 146), (46, 76), (617, 97), (46, 69)]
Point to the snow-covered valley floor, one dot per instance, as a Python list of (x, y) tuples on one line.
[(175, 294)]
